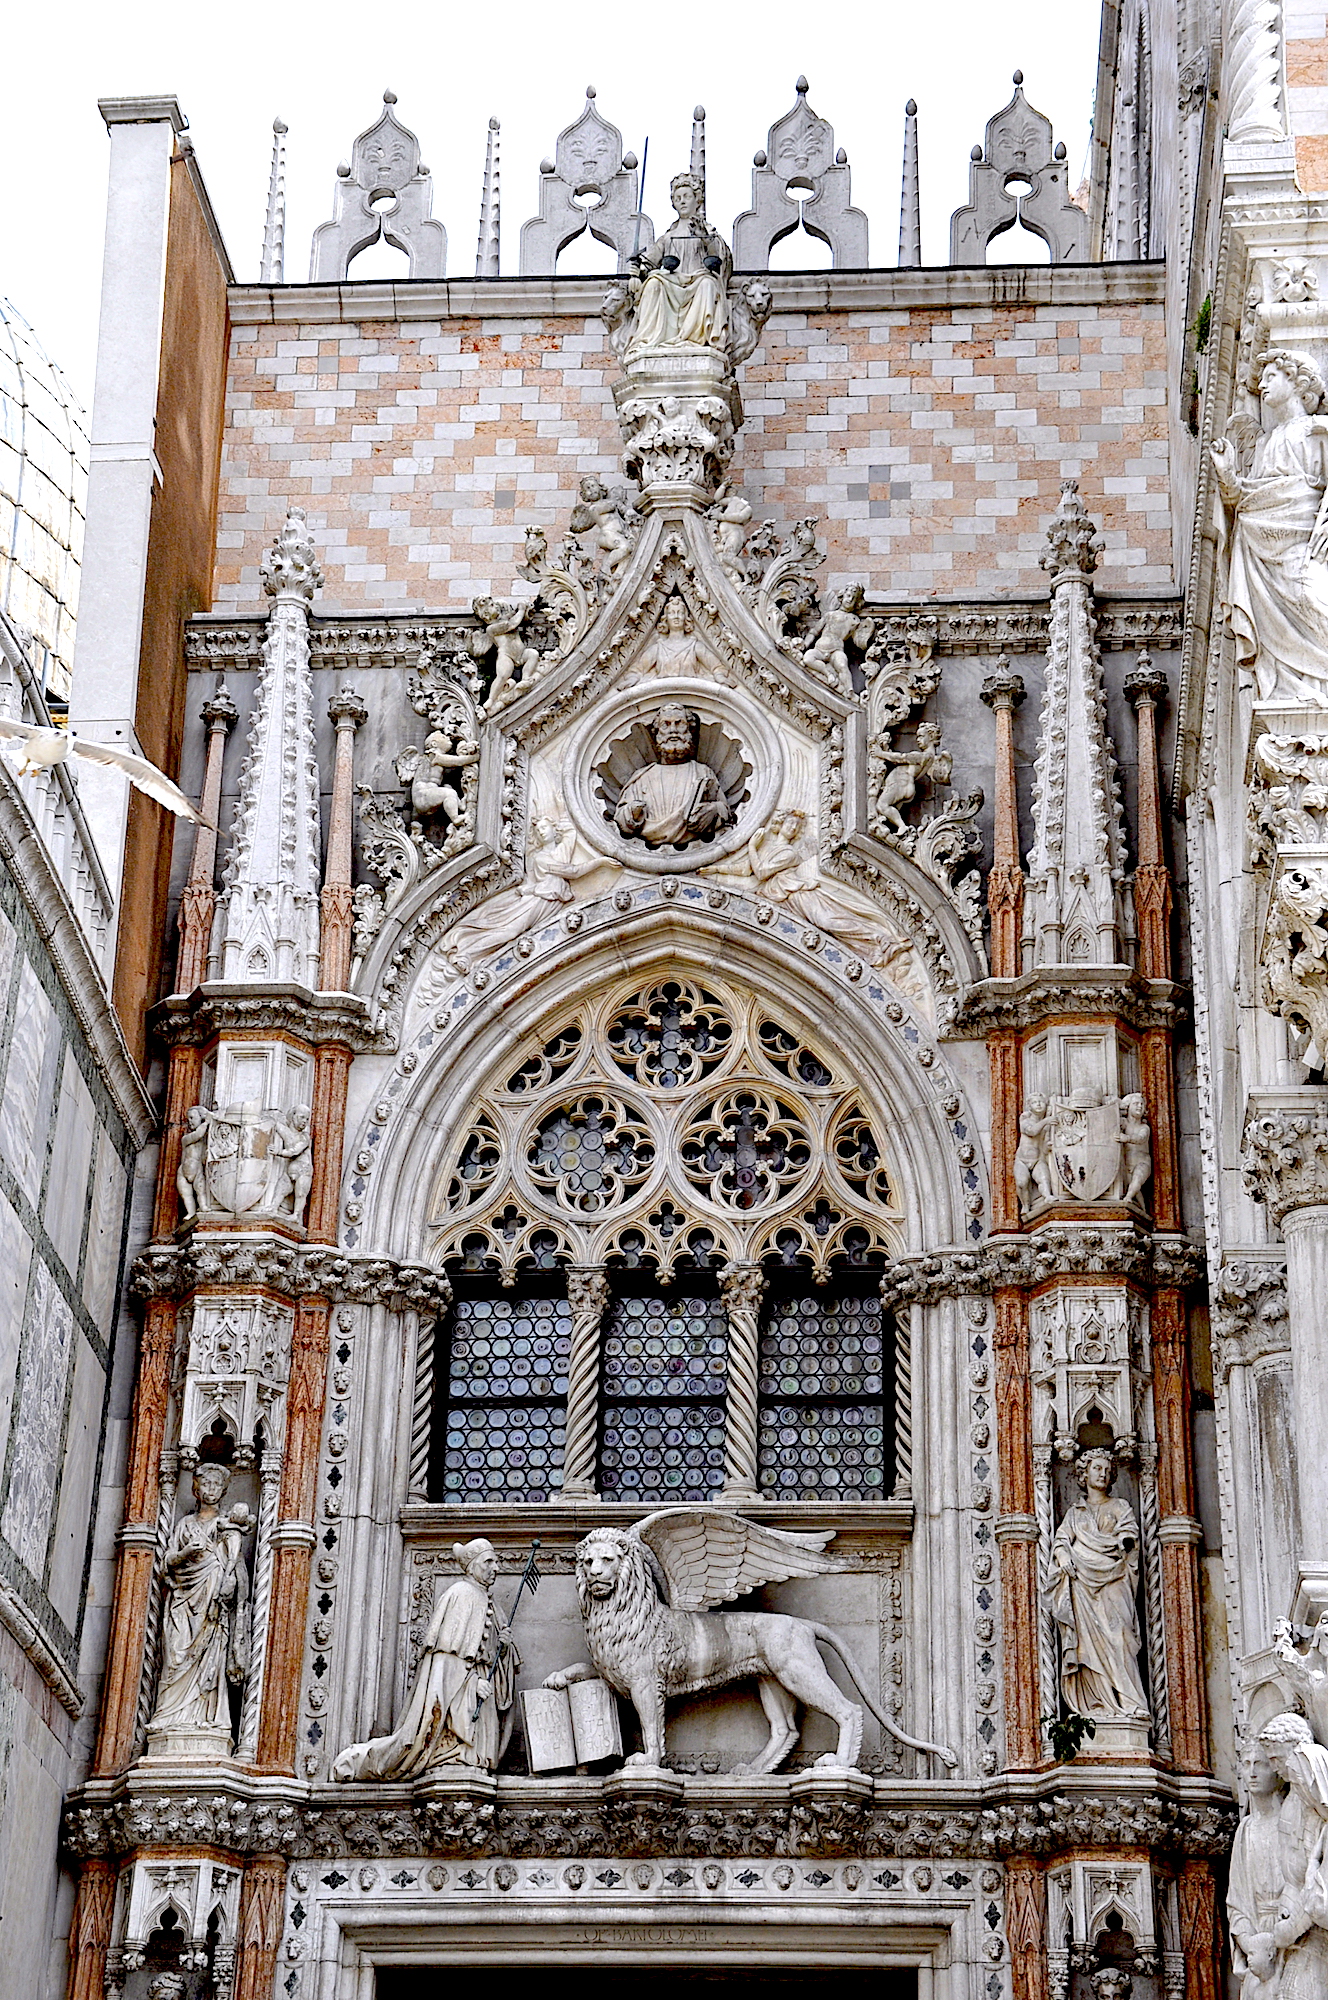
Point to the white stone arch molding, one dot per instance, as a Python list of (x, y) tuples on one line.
[(408, 1123)]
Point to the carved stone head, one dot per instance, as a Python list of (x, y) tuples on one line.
[(210, 1483), (673, 732), (1096, 1471), (1298, 376), (477, 1559), (1282, 1736), (687, 192)]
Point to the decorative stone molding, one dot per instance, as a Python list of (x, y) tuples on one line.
[(1286, 1150), (1249, 1307), (529, 1818), (991, 1005), (799, 164), (215, 1012), (588, 160), (1055, 1250), (174, 1270), (383, 191), (1019, 149)]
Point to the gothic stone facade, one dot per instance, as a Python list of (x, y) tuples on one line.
[(756, 1017)]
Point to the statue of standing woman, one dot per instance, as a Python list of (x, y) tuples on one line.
[(205, 1619), (464, 1686), (1093, 1599)]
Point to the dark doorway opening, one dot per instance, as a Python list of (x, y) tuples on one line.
[(657, 1982)]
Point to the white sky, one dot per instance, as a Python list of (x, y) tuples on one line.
[(323, 67)]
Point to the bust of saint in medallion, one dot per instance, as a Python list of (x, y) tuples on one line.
[(675, 799)]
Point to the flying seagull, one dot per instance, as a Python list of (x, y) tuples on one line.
[(39, 749)]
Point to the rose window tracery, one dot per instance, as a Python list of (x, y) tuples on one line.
[(686, 1167)]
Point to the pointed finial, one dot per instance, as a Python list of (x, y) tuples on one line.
[(591, 91), (273, 262), (698, 145), (389, 97), (802, 86), (910, 203), (1018, 79), (487, 249), (1073, 543)]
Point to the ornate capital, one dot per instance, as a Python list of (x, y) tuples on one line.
[(1003, 689), (1286, 1149), (220, 712), (346, 709), (289, 568), (1147, 686)]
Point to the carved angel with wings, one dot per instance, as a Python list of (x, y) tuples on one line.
[(647, 1598)]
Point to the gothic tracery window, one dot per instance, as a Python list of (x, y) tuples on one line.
[(663, 1135)]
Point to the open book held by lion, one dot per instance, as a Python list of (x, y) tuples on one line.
[(647, 1602)]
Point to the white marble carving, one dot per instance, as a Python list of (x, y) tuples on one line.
[(841, 626), (783, 862), (464, 1686), (383, 191), (1255, 1883), (1300, 1929), (1276, 593), (515, 662), (800, 164), (266, 926), (238, 1159), (610, 519), (1093, 1591), (676, 799), (1019, 151), (205, 1624), (589, 184), (552, 869), (899, 773), (646, 1602)]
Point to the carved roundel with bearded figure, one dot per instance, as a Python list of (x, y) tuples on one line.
[(673, 775)]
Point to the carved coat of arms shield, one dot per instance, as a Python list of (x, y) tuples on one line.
[(1087, 1149), (237, 1170)]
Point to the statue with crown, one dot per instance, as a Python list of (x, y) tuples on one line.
[(679, 326)]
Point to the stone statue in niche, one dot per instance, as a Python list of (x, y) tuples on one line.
[(1276, 596), (674, 648), (1306, 1673), (464, 1687), (677, 799), (1093, 1599), (1254, 1891), (551, 869), (205, 1621), (647, 1595), (238, 1160), (1300, 1929)]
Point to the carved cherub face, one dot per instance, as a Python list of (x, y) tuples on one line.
[(1280, 1738), (1036, 1104), (593, 489), (791, 826), (674, 732), (929, 735)]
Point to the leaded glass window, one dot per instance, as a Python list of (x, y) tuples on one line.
[(501, 1397), (662, 1408), (826, 1393)]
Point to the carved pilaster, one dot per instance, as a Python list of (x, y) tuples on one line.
[(1003, 1057), (1026, 1928), (133, 1580), (588, 1298), (90, 1930), (262, 1895), (742, 1287), (332, 1062), (1016, 1532), (1196, 1897), (293, 1539), (1178, 1533)]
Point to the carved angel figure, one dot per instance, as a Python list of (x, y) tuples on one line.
[(731, 512), (603, 515), (841, 623), (1277, 583), (551, 872), (1306, 1672), (786, 872), (464, 1686), (501, 636), (205, 1614), (647, 1597), (904, 770), (1094, 1584), (1032, 1159), (427, 774)]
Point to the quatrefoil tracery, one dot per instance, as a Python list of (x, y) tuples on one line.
[(739, 1139)]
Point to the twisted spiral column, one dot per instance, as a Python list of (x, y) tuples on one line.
[(587, 1296), (742, 1287), (421, 1414)]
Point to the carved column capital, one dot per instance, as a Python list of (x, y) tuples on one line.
[(1147, 686), (346, 709), (219, 712), (1003, 689), (1286, 1149)]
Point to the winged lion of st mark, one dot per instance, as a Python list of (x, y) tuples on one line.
[(648, 1595)]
